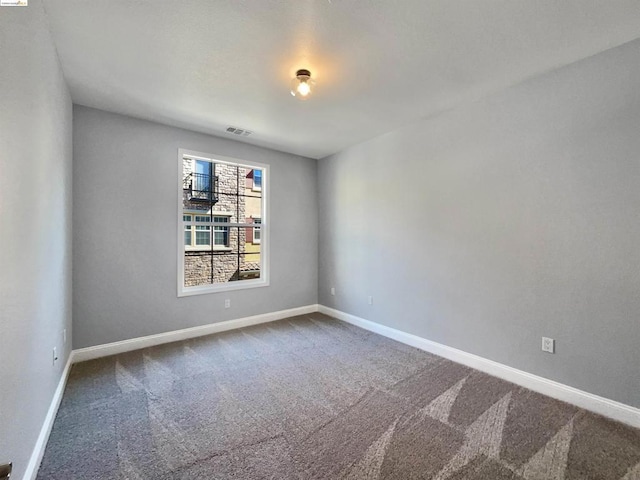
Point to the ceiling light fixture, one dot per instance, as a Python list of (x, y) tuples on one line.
[(302, 85)]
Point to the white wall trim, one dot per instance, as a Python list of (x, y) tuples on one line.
[(594, 403), (115, 348), (43, 437)]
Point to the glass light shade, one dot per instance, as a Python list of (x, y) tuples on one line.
[(302, 85)]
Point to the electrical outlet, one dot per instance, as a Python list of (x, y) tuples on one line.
[(64, 336), (55, 355), (370, 300), (227, 303), (548, 345), (333, 290)]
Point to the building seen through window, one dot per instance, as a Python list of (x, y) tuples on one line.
[(222, 221)]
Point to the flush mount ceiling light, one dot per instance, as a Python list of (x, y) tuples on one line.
[(302, 85)]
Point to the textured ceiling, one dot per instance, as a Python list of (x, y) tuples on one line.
[(207, 64)]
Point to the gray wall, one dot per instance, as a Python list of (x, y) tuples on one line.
[(35, 238), (501, 221), (125, 220)]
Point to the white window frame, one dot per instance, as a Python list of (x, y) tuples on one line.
[(263, 281)]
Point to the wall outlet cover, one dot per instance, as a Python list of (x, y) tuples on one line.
[(548, 345)]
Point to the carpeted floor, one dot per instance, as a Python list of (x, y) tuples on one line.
[(314, 398)]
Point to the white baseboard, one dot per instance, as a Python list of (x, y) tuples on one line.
[(115, 348), (41, 443), (594, 403)]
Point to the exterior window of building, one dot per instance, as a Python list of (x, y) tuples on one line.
[(197, 233), (203, 232), (223, 227), (204, 169), (257, 180), (221, 234), (256, 231), (187, 229), (202, 179)]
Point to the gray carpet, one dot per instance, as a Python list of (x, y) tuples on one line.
[(313, 398)]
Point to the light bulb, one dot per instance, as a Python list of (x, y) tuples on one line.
[(304, 89), (302, 85)]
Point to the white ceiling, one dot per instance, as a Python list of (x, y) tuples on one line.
[(207, 64)]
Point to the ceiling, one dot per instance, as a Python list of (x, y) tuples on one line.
[(207, 64)]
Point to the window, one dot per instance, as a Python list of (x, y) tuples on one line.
[(221, 234), (223, 228), (197, 233), (187, 229), (257, 179), (204, 168), (202, 181), (256, 230), (203, 232)]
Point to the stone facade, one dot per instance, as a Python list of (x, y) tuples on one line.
[(205, 265)]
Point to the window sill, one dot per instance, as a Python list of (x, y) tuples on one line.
[(205, 248), (222, 287)]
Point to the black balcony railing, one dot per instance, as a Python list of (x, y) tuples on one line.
[(202, 187)]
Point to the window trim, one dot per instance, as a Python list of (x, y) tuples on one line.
[(263, 281)]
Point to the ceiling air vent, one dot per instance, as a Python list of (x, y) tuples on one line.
[(239, 131)]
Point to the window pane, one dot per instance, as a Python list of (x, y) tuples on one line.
[(256, 231), (257, 178), (221, 236), (225, 253), (202, 237), (201, 181)]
